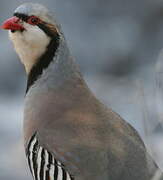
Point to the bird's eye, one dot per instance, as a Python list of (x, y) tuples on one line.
[(33, 20)]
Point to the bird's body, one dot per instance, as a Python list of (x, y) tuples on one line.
[(68, 133)]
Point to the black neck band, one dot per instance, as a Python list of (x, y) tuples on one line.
[(45, 59)]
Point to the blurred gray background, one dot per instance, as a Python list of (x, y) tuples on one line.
[(118, 45)]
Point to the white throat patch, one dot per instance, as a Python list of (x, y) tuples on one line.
[(29, 44)]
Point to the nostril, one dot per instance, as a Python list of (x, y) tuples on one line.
[(16, 19)]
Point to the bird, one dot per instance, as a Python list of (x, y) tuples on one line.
[(68, 133)]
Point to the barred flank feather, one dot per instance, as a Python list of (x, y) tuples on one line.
[(42, 164)]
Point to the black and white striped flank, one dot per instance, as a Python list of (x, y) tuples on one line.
[(42, 164)]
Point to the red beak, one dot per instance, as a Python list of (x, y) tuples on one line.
[(12, 24)]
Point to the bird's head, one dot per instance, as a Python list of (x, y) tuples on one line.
[(31, 29)]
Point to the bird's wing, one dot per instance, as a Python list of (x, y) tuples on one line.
[(42, 163)]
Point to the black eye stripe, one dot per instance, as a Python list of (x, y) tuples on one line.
[(42, 25), (22, 16)]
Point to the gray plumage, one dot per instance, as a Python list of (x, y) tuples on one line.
[(90, 140)]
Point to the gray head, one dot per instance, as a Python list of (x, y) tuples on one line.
[(31, 30), (35, 9)]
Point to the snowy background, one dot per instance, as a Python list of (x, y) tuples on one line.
[(118, 45)]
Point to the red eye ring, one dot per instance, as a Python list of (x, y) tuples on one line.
[(33, 20)]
